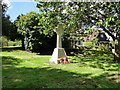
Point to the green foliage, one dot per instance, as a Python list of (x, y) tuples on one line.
[(89, 30), (3, 39), (103, 48), (95, 42), (87, 44), (76, 15), (79, 15), (14, 43), (37, 30), (27, 26)]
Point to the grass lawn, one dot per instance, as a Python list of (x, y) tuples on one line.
[(23, 69)]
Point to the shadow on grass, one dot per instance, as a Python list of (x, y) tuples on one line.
[(9, 49), (38, 77), (8, 60), (45, 52), (51, 78), (98, 59), (48, 77), (50, 51)]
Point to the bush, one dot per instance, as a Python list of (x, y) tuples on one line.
[(95, 42), (103, 48), (87, 44), (15, 43), (4, 42), (3, 39)]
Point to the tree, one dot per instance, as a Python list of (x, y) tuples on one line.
[(35, 30), (103, 15), (77, 16), (26, 26), (8, 28)]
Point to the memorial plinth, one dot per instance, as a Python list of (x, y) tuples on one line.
[(58, 52)]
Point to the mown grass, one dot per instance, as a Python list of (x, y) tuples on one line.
[(22, 69)]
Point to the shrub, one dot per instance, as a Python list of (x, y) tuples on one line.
[(3, 39), (103, 48), (87, 44)]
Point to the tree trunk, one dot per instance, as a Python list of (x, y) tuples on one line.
[(27, 44), (108, 32), (23, 45), (117, 48)]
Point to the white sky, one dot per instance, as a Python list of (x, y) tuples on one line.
[(21, 0), (7, 2)]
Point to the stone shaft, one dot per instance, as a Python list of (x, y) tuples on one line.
[(59, 42)]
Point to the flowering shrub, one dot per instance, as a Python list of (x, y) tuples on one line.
[(64, 60)]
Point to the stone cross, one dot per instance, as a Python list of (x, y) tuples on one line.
[(59, 30), (58, 52)]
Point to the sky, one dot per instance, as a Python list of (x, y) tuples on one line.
[(19, 7)]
